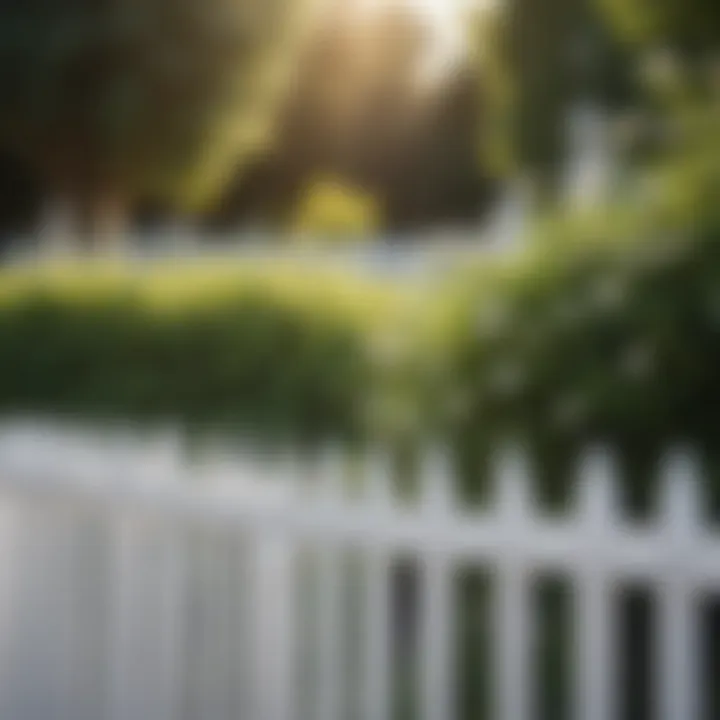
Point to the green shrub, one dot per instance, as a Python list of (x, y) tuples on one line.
[(597, 336), (277, 350)]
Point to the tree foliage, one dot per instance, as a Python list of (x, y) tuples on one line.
[(332, 209), (691, 26), (137, 97), (538, 57), (359, 111)]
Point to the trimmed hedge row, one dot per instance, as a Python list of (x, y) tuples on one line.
[(273, 349)]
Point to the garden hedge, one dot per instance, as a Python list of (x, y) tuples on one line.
[(607, 330), (278, 350)]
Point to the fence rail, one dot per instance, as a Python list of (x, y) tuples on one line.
[(129, 592)]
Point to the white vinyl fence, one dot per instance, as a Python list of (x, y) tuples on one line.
[(135, 588)]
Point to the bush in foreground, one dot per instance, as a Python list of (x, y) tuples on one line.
[(276, 350)]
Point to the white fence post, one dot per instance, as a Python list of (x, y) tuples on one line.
[(147, 579), (437, 609), (145, 642), (42, 661), (512, 612), (378, 632), (678, 672), (83, 583), (275, 607), (331, 690), (274, 648), (595, 623), (9, 529)]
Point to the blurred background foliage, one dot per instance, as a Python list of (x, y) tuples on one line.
[(224, 114), (332, 210), (112, 103), (600, 326)]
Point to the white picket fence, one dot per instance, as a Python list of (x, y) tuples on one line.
[(134, 587)]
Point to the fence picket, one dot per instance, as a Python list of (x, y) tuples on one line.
[(331, 690), (511, 607), (596, 625), (678, 617), (513, 623), (145, 643), (377, 651), (273, 648), (438, 496), (9, 533), (55, 593), (595, 616), (437, 635), (378, 676), (437, 596)]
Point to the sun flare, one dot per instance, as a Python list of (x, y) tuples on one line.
[(440, 14), (443, 18)]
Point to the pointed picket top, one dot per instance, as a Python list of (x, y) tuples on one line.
[(598, 500), (208, 464), (513, 484), (437, 481), (90, 456), (680, 498), (286, 473), (379, 476), (161, 456), (32, 448), (247, 462), (679, 635), (330, 475)]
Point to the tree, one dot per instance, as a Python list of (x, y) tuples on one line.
[(537, 57), (126, 99), (437, 178), (691, 27), (358, 112)]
